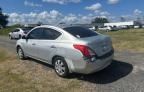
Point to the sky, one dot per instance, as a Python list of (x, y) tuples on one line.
[(70, 11)]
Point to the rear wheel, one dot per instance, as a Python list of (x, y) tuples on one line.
[(19, 37), (20, 53), (61, 67)]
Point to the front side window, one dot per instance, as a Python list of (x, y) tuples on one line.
[(44, 33), (36, 34)]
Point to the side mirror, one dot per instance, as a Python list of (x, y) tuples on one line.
[(24, 37)]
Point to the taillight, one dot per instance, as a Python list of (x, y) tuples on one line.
[(85, 50)]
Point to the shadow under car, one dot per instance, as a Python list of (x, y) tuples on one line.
[(114, 72)]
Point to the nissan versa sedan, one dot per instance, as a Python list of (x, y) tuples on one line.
[(69, 49)]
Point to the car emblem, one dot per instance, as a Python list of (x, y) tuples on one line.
[(104, 48)]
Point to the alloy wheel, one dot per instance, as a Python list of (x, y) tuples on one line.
[(60, 67)]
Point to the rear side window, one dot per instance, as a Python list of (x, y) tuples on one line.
[(50, 34), (80, 32)]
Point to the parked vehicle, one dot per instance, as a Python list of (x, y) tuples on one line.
[(124, 27), (136, 27), (115, 28), (19, 32), (105, 28), (68, 49), (92, 28)]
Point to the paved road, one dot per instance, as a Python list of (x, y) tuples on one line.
[(125, 74), (7, 43)]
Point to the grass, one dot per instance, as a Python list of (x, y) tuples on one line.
[(4, 55), (28, 76), (128, 40), (6, 30)]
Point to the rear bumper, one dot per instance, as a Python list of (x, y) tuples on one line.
[(97, 65)]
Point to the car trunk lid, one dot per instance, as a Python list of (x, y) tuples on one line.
[(99, 44)]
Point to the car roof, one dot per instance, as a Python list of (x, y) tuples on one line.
[(66, 26), (21, 28)]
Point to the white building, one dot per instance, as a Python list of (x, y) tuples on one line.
[(119, 24)]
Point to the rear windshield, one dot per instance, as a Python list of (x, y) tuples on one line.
[(80, 32)]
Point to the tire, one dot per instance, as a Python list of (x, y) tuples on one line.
[(21, 53), (61, 67), (107, 30), (10, 37), (19, 37)]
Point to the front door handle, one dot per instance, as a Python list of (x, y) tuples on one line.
[(33, 44), (53, 46)]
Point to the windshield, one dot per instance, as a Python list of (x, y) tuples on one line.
[(80, 32)]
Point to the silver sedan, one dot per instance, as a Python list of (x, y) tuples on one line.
[(69, 49)]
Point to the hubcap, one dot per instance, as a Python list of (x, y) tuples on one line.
[(20, 53), (59, 66)]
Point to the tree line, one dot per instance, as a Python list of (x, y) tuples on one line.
[(3, 19)]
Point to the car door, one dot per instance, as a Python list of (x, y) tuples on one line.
[(32, 41), (48, 45)]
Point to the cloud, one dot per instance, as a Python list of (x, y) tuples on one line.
[(104, 13), (95, 7), (55, 17), (62, 1), (137, 12), (52, 17), (71, 18), (31, 18), (32, 4), (113, 1)]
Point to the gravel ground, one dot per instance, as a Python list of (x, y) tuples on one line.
[(7, 43), (125, 74)]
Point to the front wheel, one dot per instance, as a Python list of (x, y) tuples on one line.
[(107, 30), (61, 67), (19, 37), (20, 53)]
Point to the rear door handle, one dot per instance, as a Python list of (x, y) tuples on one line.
[(53, 46)]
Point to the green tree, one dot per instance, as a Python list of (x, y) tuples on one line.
[(100, 20), (3, 19)]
